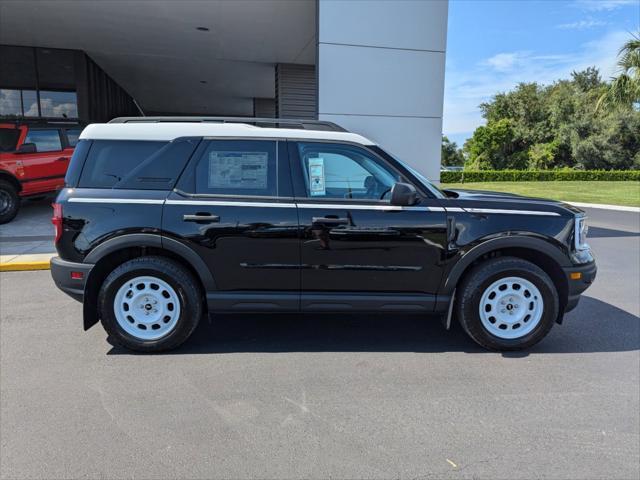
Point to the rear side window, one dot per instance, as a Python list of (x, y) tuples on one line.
[(238, 168), (134, 164), (77, 161), (72, 136), (109, 161), (44, 140)]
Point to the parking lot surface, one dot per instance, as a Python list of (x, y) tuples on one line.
[(326, 396)]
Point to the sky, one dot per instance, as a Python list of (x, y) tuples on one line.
[(492, 45)]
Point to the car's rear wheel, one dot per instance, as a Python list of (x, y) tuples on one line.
[(150, 304), (9, 201), (507, 304)]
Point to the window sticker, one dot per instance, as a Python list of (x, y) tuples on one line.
[(238, 170), (316, 177)]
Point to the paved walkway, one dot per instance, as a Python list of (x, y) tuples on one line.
[(31, 232)]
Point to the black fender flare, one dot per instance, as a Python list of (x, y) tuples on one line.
[(90, 310), (158, 241), (546, 247), (12, 178)]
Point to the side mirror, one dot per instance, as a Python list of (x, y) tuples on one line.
[(27, 148), (403, 195)]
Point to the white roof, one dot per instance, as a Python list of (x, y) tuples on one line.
[(170, 130)]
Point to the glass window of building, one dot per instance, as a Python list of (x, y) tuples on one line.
[(37, 82)]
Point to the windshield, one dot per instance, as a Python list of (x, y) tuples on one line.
[(9, 139), (421, 178)]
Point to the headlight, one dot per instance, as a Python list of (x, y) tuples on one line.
[(580, 234)]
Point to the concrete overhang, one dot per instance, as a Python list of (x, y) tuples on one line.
[(186, 56)]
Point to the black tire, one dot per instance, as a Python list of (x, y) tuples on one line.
[(178, 277), (470, 291), (9, 201)]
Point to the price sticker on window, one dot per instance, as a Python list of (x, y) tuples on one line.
[(316, 177)]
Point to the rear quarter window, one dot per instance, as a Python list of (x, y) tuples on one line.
[(134, 164)]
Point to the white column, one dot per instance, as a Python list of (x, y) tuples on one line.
[(381, 74)]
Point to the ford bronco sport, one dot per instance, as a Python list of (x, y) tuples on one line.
[(33, 161), (163, 219)]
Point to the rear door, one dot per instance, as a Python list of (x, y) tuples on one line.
[(357, 250), (234, 207)]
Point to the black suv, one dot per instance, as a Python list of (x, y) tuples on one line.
[(163, 219)]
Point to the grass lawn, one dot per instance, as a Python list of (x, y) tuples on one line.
[(613, 193)]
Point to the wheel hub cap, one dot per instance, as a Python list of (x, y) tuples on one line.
[(511, 308), (5, 201), (147, 308)]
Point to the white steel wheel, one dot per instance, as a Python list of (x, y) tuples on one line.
[(511, 308), (146, 308)]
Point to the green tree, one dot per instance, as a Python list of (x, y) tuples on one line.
[(451, 154), (556, 126), (542, 155), (624, 90), (494, 147)]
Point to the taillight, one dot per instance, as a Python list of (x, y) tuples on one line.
[(57, 220)]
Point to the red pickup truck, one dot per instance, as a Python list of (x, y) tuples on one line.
[(33, 161)]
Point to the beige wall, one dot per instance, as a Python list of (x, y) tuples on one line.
[(381, 74)]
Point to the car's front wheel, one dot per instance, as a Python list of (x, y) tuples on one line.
[(150, 304), (9, 202), (507, 303)]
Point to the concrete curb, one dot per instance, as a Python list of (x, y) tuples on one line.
[(602, 206), (19, 263)]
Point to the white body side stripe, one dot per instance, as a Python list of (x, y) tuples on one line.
[(329, 206), (147, 201), (342, 206), (512, 212), (226, 203)]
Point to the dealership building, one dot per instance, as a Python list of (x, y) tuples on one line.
[(373, 67)]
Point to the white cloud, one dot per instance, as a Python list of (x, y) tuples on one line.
[(582, 24), (466, 88), (600, 5), (503, 61)]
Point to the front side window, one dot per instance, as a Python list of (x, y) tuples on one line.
[(44, 140), (238, 168), (335, 171)]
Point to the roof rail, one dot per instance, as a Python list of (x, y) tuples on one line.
[(258, 122), (41, 121)]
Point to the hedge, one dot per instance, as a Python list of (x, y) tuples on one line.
[(538, 175)]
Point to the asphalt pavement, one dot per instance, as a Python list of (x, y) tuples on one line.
[(326, 396)]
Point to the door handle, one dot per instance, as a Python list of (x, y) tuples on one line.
[(329, 221), (201, 218), (62, 159)]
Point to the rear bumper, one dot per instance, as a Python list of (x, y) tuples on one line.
[(61, 274), (578, 286)]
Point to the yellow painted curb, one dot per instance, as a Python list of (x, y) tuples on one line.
[(20, 263)]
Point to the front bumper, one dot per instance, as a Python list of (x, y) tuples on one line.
[(586, 274), (61, 273)]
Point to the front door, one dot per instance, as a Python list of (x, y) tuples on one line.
[(358, 251), (234, 207), (44, 170)]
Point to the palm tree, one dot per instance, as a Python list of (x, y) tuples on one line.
[(624, 90)]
